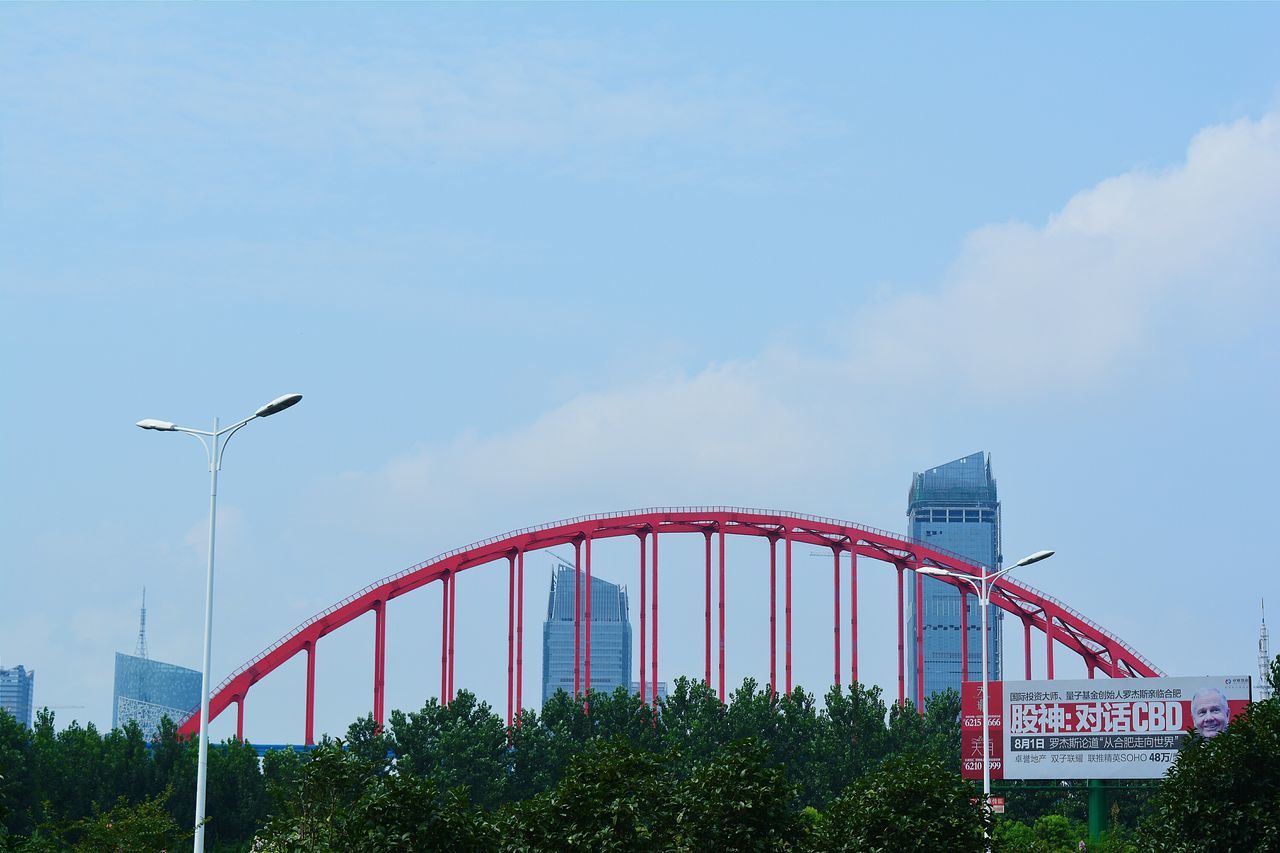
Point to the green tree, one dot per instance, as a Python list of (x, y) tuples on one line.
[(139, 828), (237, 800), (737, 801), (1223, 793), (460, 744), (752, 712), (613, 797), (798, 745), (855, 738), (18, 786), (282, 773), (622, 714), (913, 802), (941, 726), (343, 801), (368, 740), (694, 720), (1052, 833), (173, 767)]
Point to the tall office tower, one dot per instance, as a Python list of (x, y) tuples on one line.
[(148, 690), (17, 693), (610, 635), (953, 507)]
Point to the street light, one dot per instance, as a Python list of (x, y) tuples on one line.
[(214, 449), (983, 586)]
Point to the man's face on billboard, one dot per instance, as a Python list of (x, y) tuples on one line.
[(1209, 712)]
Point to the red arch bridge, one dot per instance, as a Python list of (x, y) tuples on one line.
[(1101, 650)]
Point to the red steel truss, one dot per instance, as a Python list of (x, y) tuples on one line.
[(1101, 650)]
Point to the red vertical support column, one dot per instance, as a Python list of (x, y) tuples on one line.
[(1026, 646), (706, 609), (511, 633), (902, 655), (920, 641), (788, 610), (240, 718), (835, 554), (964, 635), (310, 717), (1048, 644), (1089, 663), (653, 604), (773, 615), (721, 614), (853, 615), (586, 593), (577, 617), (519, 633), (453, 626), (444, 639), (644, 676), (379, 659)]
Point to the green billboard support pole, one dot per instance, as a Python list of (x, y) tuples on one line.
[(1097, 809)]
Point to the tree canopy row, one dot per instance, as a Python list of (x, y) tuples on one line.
[(762, 771)]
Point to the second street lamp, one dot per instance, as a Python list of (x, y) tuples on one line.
[(983, 586), (213, 448)]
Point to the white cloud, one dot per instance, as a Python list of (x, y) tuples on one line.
[(1025, 308), (725, 432)]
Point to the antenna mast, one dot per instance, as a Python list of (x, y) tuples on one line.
[(141, 650), (1264, 657)]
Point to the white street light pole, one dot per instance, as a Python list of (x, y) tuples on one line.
[(983, 587), (214, 449)]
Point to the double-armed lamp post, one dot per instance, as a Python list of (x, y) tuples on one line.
[(983, 585), (214, 447)]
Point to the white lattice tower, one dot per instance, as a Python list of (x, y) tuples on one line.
[(1264, 657), (141, 650)]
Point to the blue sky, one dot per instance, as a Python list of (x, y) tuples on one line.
[(528, 262)]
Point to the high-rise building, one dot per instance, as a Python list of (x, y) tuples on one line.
[(148, 690), (17, 693), (953, 507), (610, 635)]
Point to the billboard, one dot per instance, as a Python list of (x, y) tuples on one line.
[(1130, 728)]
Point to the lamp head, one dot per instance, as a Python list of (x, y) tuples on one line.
[(934, 570), (152, 423), (279, 404), (1033, 558)]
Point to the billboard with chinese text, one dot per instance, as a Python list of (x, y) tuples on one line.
[(1129, 728)]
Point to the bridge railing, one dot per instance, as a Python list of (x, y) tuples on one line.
[(605, 516)]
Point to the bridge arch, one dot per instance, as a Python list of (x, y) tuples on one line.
[(1101, 650)]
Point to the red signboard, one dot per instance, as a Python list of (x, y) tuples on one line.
[(971, 729)]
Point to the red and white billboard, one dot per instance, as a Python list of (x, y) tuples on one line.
[(1129, 728)]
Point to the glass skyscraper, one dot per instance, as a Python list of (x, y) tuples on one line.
[(147, 690), (17, 693), (953, 507), (610, 635)]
